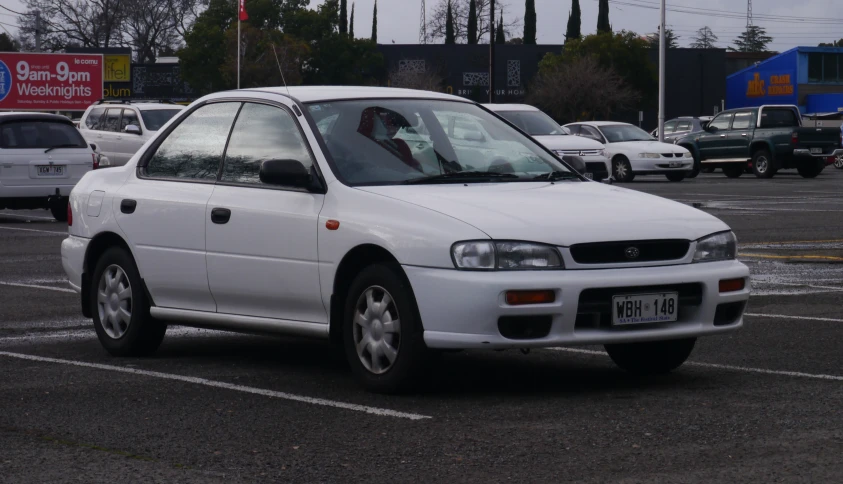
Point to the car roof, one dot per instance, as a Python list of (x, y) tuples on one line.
[(510, 107), (21, 116), (142, 106), (600, 123), (308, 94)]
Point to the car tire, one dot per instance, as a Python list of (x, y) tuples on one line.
[(120, 307), (394, 355), (651, 357), (676, 177), (810, 169), (733, 171), (622, 170), (762, 164), (707, 169), (59, 210), (838, 162)]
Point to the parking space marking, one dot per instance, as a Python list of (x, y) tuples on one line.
[(36, 286), (17, 215), (745, 369), (380, 412), (787, 316), (827, 258), (54, 232)]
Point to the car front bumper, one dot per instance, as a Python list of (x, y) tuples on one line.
[(462, 309), (641, 166)]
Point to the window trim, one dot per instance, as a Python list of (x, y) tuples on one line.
[(102, 115)]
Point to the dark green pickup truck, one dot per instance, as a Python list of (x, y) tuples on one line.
[(765, 139)]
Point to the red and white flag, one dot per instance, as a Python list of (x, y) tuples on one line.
[(243, 14)]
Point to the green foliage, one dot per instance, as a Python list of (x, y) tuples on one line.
[(669, 36), (375, 23), (574, 30), (8, 43), (472, 22), (351, 22), (603, 25), (338, 60), (753, 39), (500, 35), (836, 43), (530, 22), (704, 39), (449, 26), (343, 16)]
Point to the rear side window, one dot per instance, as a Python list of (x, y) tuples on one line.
[(130, 117), (195, 147), (112, 120), (94, 119), (683, 126), (670, 126), (40, 134), (742, 121), (778, 118)]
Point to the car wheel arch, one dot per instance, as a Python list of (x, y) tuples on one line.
[(96, 248), (352, 263)]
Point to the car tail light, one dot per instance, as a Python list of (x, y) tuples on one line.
[(94, 159), (794, 137), (69, 215)]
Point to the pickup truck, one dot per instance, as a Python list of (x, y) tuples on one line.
[(765, 139)]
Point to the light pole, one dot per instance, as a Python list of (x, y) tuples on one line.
[(492, 51), (662, 51)]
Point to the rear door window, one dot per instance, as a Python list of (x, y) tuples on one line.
[(670, 126), (683, 126), (778, 118), (742, 120), (40, 134), (130, 117), (112, 120), (94, 119)]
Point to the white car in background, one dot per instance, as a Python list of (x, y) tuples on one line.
[(249, 213), (119, 129), (556, 138), (633, 151), (42, 157)]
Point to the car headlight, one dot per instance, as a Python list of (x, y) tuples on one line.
[(505, 255), (601, 152), (649, 155), (689, 155), (719, 246)]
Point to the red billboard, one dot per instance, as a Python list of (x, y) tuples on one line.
[(50, 82)]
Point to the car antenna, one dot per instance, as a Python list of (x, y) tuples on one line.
[(279, 70)]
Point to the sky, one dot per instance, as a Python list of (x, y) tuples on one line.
[(398, 20)]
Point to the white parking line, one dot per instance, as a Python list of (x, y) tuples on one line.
[(725, 367), (54, 232), (17, 215), (36, 286), (381, 412), (787, 316)]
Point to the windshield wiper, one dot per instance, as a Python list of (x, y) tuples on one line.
[(558, 175), (51, 148), (460, 176)]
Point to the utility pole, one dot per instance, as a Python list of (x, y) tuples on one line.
[(491, 51), (423, 24), (37, 31), (662, 51)]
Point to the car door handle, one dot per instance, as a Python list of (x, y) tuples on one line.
[(722, 135), (220, 215), (743, 134), (128, 206)]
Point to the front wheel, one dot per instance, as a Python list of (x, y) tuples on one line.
[(838, 162), (810, 169), (675, 177), (382, 335), (733, 171), (622, 170), (651, 357), (708, 169)]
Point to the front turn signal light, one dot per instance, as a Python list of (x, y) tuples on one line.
[(732, 285), (521, 298)]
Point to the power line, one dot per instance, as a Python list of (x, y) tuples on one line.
[(19, 13), (727, 14)]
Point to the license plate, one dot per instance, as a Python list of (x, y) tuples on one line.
[(645, 308), (50, 170), (675, 164), (590, 176), (817, 150)]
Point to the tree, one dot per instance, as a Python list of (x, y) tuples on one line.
[(530, 22), (753, 39), (258, 64), (704, 39), (581, 89), (603, 17), (574, 30), (460, 9), (8, 43), (203, 57), (81, 23), (153, 26), (471, 29), (500, 36), (449, 27), (343, 16), (836, 43), (351, 22), (375, 23), (669, 36)]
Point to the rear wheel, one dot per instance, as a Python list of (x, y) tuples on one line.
[(651, 357), (120, 307), (810, 169), (733, 171), (708, 169), (622, 170), (59, 209), (676, 177), (762, 164), (838, 162)]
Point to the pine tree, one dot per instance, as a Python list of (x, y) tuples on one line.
[(449, 26), (603, 17), (530, 22), (754, 39), (705, 39), (500, 36), (351, 22), (574, 30), (472, 22), (375, 23), (343, 16), (669, 36)]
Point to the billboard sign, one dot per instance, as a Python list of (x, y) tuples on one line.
[(118, 68), (50, 82)]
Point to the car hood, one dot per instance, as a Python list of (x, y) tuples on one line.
[(568, 142), (647, 147), (562, 213)]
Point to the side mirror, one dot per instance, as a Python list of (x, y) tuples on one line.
[(290, 173), (576, 163), (132, 129), (711, 129)]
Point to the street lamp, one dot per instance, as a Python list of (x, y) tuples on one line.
[(662, 51)]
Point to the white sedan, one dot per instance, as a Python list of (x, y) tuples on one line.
[(634, 152), (304, 212)]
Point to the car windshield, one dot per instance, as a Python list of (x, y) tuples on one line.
[(40, 134), (397, 141), (534, 123), (617, 133), (153, 119)]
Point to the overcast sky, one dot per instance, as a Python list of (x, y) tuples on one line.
[(398, 20)]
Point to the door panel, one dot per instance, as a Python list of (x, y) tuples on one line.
[(714, 145), (740, 135)]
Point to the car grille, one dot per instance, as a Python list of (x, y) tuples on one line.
[(619, 252), (577, 152), (595, 305), (672, 155)]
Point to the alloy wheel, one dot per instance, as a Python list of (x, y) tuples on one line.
[(377, 330), (620, 170), (114, 301), (838, 162), (761, 164)]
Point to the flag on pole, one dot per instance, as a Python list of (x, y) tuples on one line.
[(243, 14)]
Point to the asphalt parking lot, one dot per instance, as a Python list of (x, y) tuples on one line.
[(761, 405)]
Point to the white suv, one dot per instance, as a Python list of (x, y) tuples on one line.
[(119, 129), (42, 156), (357, 215)]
